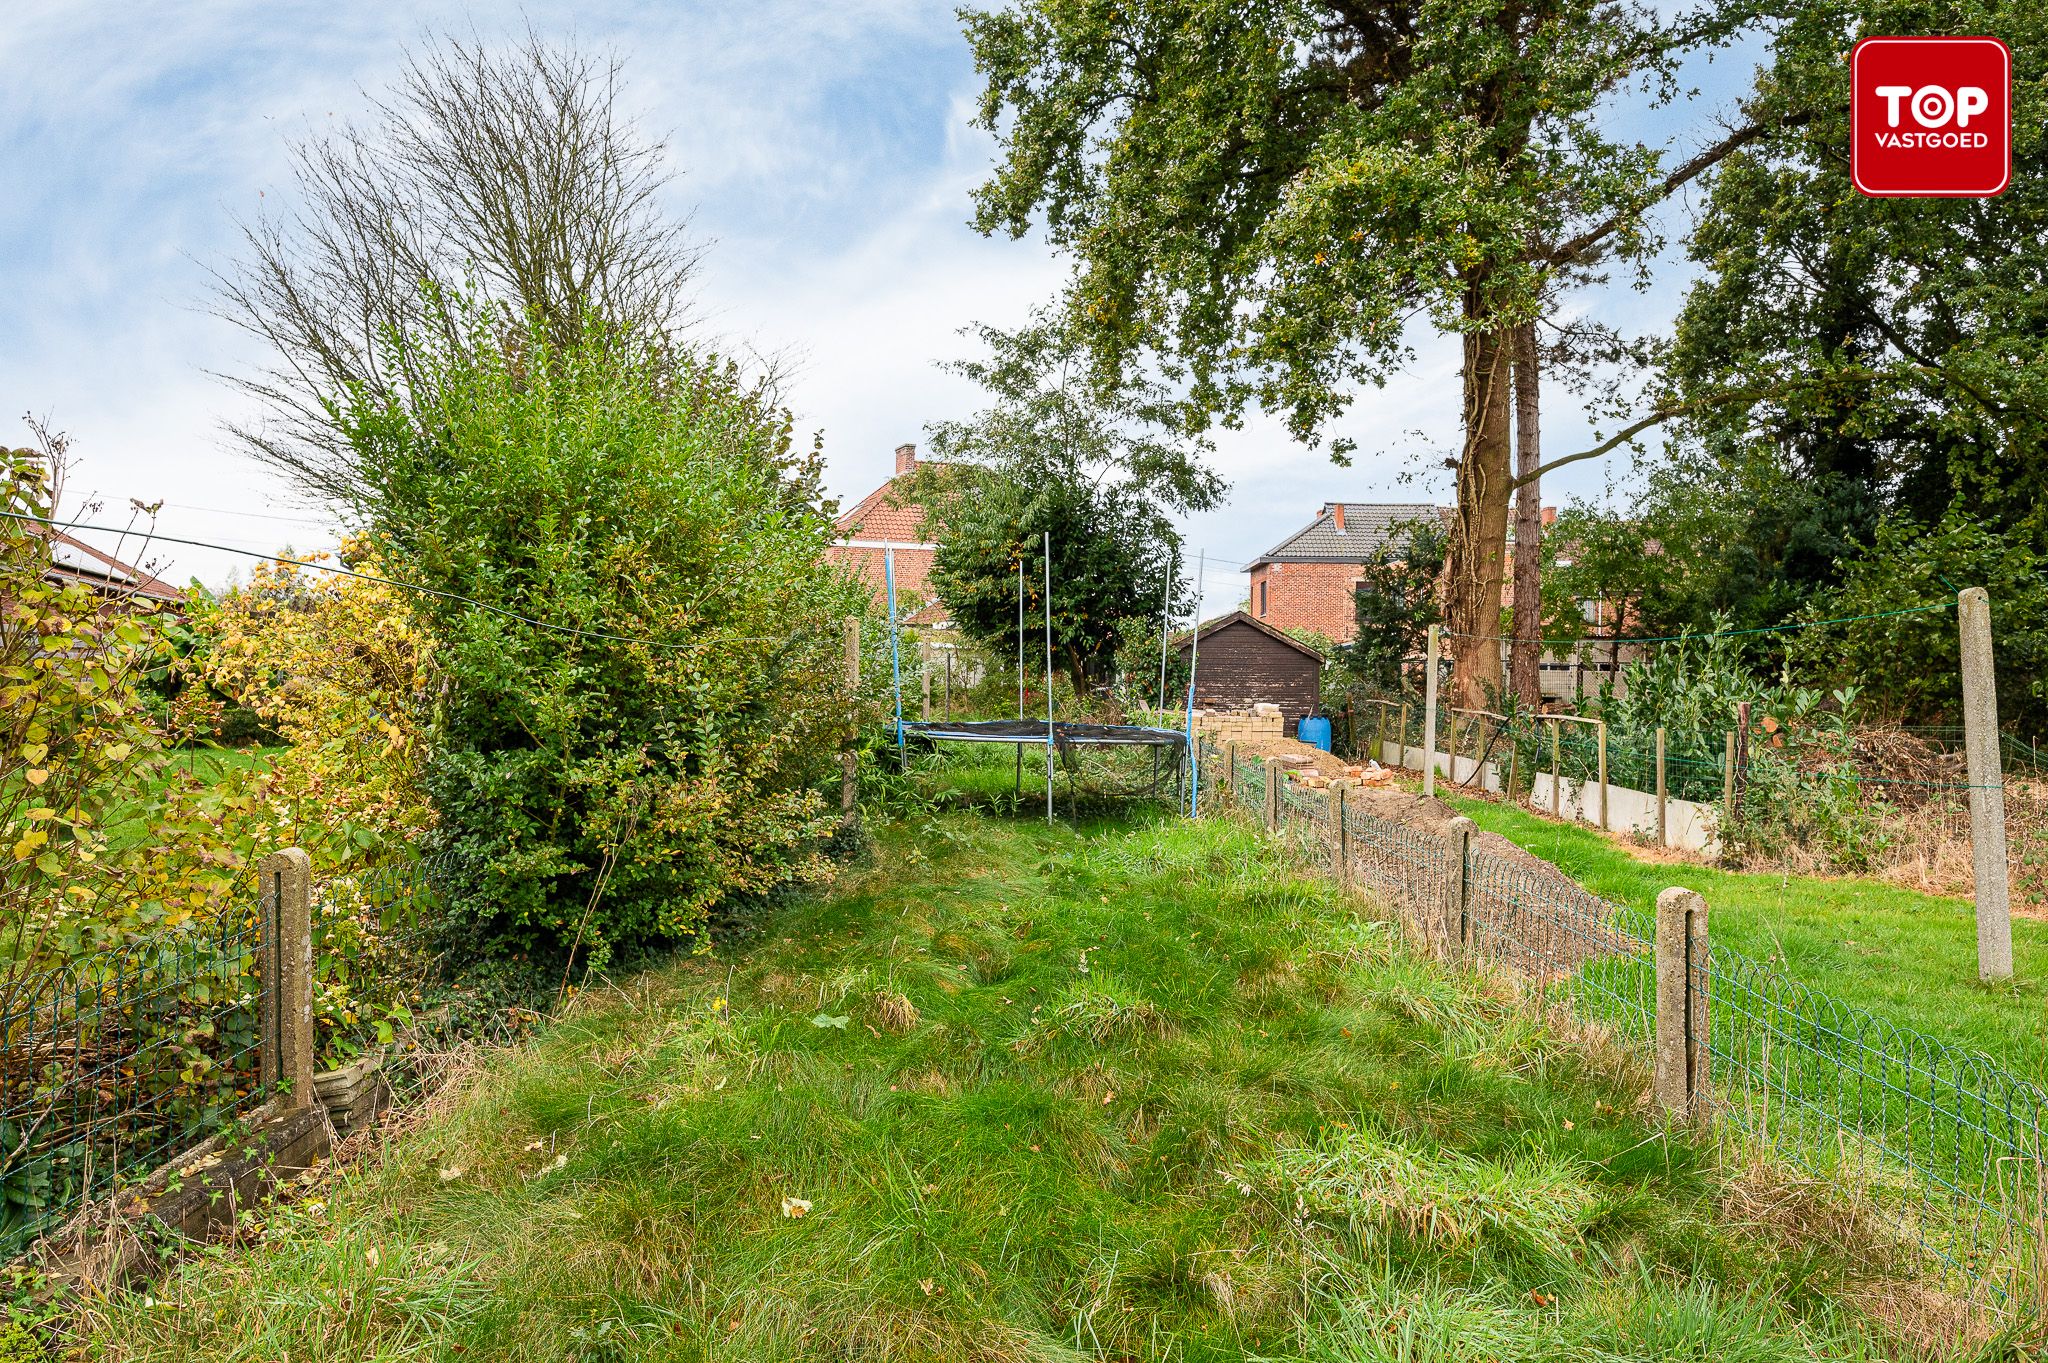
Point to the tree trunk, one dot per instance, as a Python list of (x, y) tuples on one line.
[(1476, 569), (1525, 669)]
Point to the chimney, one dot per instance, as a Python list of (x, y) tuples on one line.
[(1549, 516), (906, 458), (1337, 514)]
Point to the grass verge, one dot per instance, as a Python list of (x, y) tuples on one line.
[(1020, 1092), (1901, 954)]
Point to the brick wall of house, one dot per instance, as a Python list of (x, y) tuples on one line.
[(913, 577), (1317, 596)]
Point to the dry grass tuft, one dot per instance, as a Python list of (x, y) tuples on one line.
[(1924, 1321), (894, 1011), (1789, 1208)]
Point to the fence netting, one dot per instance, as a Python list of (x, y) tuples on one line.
[(112, 1061), (1937, 1145), (117, 1059)]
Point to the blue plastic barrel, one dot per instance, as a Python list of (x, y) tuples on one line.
[(1315, 730)]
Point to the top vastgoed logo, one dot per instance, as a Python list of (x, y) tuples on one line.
[(1930, 117)]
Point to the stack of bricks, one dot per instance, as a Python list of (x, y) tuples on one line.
[(1261, 721), (1323, 776)]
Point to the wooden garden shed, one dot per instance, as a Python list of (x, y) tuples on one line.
[(1244, 662)]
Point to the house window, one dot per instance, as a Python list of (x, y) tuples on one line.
[(1262, 598)]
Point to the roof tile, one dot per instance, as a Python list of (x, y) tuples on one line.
[(1367, 526)]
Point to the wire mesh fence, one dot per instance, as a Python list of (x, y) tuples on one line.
[(1939, 1146), (113, 1061)]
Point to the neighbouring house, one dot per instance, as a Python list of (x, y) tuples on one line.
[(1310, 579), (72, 560), (885, 524), (1242, 662)]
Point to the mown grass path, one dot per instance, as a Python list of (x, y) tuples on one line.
[(1904, 955), (1010, 1092)]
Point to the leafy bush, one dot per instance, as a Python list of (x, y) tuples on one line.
[(338, 667), (617, 783), (1909, 666), (127, 909), (1800, 787)]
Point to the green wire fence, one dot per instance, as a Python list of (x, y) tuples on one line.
[(116, 1061), (1937, 1145)]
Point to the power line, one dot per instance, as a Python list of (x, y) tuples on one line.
[(252, 515), (1714, 634), (568, 630)]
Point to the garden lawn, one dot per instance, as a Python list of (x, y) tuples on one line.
[(205, 764), (1017, 1092), (1903, 955)]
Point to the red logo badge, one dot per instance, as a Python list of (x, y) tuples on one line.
[(1930, 117)]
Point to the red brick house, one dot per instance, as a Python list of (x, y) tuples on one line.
[(72, 560), (1310, 579), (886, 521)]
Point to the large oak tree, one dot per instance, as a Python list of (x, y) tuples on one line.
[(1259, 195)]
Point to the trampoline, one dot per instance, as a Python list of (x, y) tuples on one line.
[(1064, 733), (1064, 738)]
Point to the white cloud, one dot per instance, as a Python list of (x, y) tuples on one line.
[(825, 152)]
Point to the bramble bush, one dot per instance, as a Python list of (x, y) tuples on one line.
[(112, 843), (339, 668), (127, 959), (616, 784)]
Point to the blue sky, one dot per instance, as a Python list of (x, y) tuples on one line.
[(825, 157)]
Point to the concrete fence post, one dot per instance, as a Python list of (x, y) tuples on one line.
[(285, 884), (1230, 771), (924, 677), (1456, 928), (1379, 734), (1683, 1016), (1429, 714), (1603, 774), (1556, 776), (1272, 795), (1987, 787), (1402, 739), (1340, 834)]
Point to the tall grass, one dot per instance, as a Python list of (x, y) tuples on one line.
[(1019, 1091)]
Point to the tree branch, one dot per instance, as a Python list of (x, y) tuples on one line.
[(1630, 432), (1580, 247)]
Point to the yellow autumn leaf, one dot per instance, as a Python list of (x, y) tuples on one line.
[(37, 775)]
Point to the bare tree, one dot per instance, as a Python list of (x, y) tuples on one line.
[(507, 179)]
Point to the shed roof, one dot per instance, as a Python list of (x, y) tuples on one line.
[(1182, 640), (1367, 526)]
